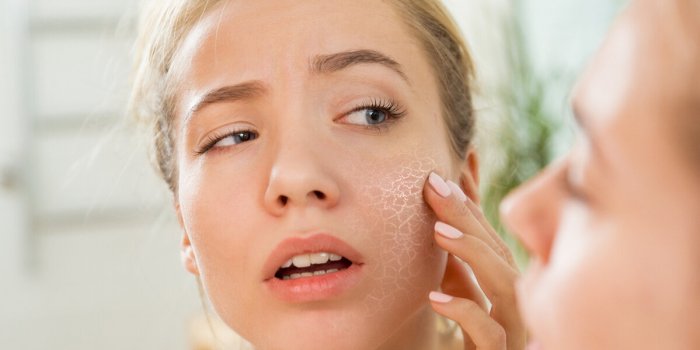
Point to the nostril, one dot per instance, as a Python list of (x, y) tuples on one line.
[(284, 200)]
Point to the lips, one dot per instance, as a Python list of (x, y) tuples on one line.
[(310, 268), (314, 264)]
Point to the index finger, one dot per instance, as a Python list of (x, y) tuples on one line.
[(449, 204)]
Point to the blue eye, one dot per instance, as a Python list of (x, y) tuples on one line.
[(227, 139), (235, 138), (367, 116), (375, 114)]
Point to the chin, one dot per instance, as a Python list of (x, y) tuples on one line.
[(316, 330), (363, 322)]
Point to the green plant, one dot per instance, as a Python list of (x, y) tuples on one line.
[(526, 133)]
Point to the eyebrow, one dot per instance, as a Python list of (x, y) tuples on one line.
[(322, 64), (325, 64), (243, 91)]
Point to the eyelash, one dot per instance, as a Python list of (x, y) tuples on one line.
[(213, 139), (393, 110)]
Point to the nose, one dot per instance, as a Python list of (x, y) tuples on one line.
[(532, 211), (299, 177)]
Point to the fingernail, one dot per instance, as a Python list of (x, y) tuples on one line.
[(440, 297), (447, 230), (439, 185), (457, 191)]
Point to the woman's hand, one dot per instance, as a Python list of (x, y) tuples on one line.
[(463, 231)]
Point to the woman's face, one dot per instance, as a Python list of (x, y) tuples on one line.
[(614, 228), (309, 127)]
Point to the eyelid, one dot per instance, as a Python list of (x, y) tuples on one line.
[(573, 187), (214, 137), (393, 109)]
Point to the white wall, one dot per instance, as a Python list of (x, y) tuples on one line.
[(89, 247), (561, 37)]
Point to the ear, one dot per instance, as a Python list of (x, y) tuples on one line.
[(469, 175), (189, 260)]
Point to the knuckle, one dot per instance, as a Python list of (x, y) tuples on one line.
[(494, 336), (457, 209), (469, 307), (505, 299), (476, 245), (498, 337)]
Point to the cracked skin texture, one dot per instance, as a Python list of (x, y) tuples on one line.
[(402, 225)]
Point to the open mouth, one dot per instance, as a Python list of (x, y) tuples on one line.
[(313, 264), (314, 267)]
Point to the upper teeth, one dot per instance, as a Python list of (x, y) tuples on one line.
[(305, 260)]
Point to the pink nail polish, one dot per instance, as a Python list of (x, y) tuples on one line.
[(440, 297), (439, 185), (457, 191), (447, 230)]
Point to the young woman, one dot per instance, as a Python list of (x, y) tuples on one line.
[(319, 154), (614, 227)]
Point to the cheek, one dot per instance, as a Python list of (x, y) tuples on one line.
[(210, 203), (597, 272), (569, 298), (398, 226)]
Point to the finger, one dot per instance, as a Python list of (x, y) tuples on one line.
[(449, 208), (460, 281), (484, 331), (478, 214), (496, 278), (486, 225), (492, 262)]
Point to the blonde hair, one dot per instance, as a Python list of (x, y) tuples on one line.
[(167, 22)]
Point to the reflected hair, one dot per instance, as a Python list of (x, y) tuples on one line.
[(165, 23)]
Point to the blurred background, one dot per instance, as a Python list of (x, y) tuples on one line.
[(89, 253)]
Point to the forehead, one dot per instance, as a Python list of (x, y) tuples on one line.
[(266, 39), (645, 73), (634, 97)]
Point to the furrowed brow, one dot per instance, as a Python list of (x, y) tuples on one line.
[(243, 91), (325, 64)]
